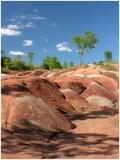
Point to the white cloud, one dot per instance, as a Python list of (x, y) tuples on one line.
[(63, 47), (15, 53), (12, 29), (27, 42), (9, 32), (12, 26)]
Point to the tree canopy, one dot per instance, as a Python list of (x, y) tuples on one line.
[(108, 55), (84, 42)]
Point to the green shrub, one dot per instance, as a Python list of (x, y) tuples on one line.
[(108, 67), (65, 65), (100, 63), (51, 63), (14, 64), (71, 64), (6, 62), (18, 65), (28, 67), (4, 70), (37, 66)]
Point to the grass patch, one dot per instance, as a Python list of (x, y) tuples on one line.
[(107, 65)]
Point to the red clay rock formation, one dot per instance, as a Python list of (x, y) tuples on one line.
[(97, 89), (77, 87), (30, 109), (76, 100), (108, 82), (23, 110), (63, 81), (49, 92)]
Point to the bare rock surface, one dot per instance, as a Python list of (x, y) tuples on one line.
[(108, 82), (99, 101), (29, 112), (25, 109), (96, 88), (76, 100), (69, 113), (49, 92)]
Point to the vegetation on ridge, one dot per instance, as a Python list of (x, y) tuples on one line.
[(83, 43)]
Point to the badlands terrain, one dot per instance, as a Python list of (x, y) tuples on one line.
[(69, 113)]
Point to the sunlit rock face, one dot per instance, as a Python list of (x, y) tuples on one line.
[(31, 113), (42, 99)]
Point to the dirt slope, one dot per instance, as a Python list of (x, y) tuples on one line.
[(78, 105)]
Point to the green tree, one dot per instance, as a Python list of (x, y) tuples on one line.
[(30, 56), (6, 62), (108, 55), (71, 64), (65, 65), (84, 42), (51, 63)]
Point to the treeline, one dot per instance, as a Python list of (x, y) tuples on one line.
[(18, 64), (49, 62)]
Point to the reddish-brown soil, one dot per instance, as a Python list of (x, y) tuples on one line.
[(96, 136), (62, 120)]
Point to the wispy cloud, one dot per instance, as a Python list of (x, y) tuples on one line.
[(10, 32), (25, 21), (12, 26), (63, 47), (35, 17), (18, 17), (12, 19), (19, 26), (27, 43), (15, 53), (27, 17), (29, 25)]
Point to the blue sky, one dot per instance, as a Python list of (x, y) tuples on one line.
[(46, 28)]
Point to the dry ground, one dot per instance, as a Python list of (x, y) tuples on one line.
[(96, 136)]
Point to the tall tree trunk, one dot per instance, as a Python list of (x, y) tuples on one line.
[(81, 54), (80, 60), (30, 60)]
